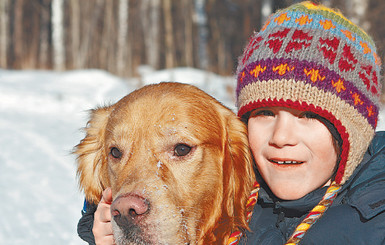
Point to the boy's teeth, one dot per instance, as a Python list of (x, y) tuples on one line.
[(287, 162)]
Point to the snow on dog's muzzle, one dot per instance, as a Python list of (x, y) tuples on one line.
[(129, 213)]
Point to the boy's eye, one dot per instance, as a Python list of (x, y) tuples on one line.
[(309, 115), (262, 113)]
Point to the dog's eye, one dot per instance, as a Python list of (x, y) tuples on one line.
[(115, 152), (182, 150)]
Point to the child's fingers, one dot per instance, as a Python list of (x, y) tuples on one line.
[(102, 228), (103, 213), (103, 239), (107, 196), (108, 240)]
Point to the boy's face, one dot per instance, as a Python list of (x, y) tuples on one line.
[(293, 150)]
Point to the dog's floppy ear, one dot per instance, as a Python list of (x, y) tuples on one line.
[(91, 158), (238, 173)]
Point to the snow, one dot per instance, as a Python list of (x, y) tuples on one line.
[(42, 113), (221, 88)]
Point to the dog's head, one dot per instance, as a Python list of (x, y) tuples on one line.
[(177, 162)]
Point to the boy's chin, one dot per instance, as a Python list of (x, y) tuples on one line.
[(289, 191), (289, 196)]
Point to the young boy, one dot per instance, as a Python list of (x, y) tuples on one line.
[(308, 89)]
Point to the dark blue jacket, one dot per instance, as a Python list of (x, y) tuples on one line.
[(357, 215), (86, 223)]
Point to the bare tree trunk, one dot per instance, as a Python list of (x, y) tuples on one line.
[(154, 33), (44, 35), (122, 62), (357, 12), (58, 35), (266, 10), (4, 22), (106, 56), (75, 34), (221, 52), (88, 32), (201, 20), (144, 6), (17, 38), (150, 27), (188, 33), (168, 34)]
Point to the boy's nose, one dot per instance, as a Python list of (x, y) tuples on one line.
[(285, 130)]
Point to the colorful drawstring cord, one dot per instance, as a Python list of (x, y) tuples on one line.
[(235, 236), (305, 225), (314, 214)]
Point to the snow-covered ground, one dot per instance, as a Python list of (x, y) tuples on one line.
[(41, 114)]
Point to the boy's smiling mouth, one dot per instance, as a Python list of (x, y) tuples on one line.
[(285, 162)]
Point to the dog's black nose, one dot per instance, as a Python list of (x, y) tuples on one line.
[(128, 208)]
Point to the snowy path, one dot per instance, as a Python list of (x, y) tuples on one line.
[(40, 117)]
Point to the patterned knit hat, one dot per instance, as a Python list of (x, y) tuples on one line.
[(312, 58)]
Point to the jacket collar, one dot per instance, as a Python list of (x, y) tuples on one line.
[(365, 189), (299, 206)]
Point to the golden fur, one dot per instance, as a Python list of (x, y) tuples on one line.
[(199, 198)]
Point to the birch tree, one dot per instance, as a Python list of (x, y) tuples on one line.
[(266, 10), (4, 22), (188, 33), (58, 35), (201, 21), (168, 33), (122, 61)]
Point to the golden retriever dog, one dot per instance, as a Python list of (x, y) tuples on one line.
[(177, 162)]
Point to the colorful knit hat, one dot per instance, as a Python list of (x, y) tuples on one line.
[(312, 58)]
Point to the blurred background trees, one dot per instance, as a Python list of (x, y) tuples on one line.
[(120, 35)]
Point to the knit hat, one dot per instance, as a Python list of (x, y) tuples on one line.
[(312, 58)]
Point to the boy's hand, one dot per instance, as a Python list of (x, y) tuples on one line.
[(102, 229)]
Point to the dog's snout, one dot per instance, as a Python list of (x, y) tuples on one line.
[(129, 206)]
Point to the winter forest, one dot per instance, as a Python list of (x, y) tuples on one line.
[(120, 35)]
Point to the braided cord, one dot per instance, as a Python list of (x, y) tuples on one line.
[(304, 226), (314, 214), (236, 235)]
